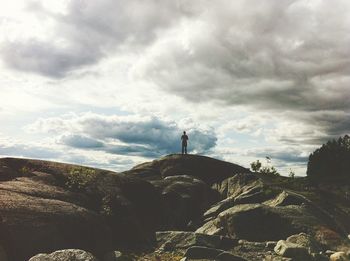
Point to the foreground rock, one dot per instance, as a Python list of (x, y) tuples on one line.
[(259, 222), (184, 199), (65, 255), (292, 250), (46, 206), (340, 256), (184, 240)]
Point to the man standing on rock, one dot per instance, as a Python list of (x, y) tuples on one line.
[(184, 139)]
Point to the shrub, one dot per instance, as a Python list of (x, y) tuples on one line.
[(331, 161), (255, 165), (25, 171), (269, 171), (81, 178)]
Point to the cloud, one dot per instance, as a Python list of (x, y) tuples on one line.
[(81, 142), (9, 148), (46, 58), (289, 155), (271, 55), (89, 31), (124, 135), (77, 154)]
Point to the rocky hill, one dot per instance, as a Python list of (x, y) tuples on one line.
[(190, 207)]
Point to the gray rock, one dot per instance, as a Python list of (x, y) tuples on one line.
[(287, 198), (116, 256), (184, 198), (260, 222), (253, 195), (295, 251), (217, 208), (305, 240), (197, 252), (270, 244), (226, 256), (339, 256), (238, 184), (184, 240), (65, 255), (330, 252)]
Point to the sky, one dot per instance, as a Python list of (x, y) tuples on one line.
[(113, 83)]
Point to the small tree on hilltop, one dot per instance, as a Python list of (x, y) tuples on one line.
[(331, 161), (255, 165)]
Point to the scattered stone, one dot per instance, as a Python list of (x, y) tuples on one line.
[(305, 240), (270, 244), (329, 252), (116, 256), (65, 255), (339, 256), (197, 252), (292, 250)]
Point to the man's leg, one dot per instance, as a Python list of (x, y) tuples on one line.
[(186, 149), (183, 149)]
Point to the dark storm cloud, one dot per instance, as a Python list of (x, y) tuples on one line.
[(47, 59), (291, 55), (147, 136), (89, 31)]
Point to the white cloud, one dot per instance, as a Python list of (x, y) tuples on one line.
[(124, 135)]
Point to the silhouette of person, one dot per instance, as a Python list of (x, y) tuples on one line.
[(184, 139)]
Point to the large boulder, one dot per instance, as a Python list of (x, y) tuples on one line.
[(259, 222), (292, 250), (239, 184), (45, 207), (184, 200), (65, 255), (286, 198)]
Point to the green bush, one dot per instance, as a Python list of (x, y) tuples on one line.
[(81, 178), (269, 171), (331, 161), (25, 171), (256, 166)]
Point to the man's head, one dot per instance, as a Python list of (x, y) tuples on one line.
[(184, 132)]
